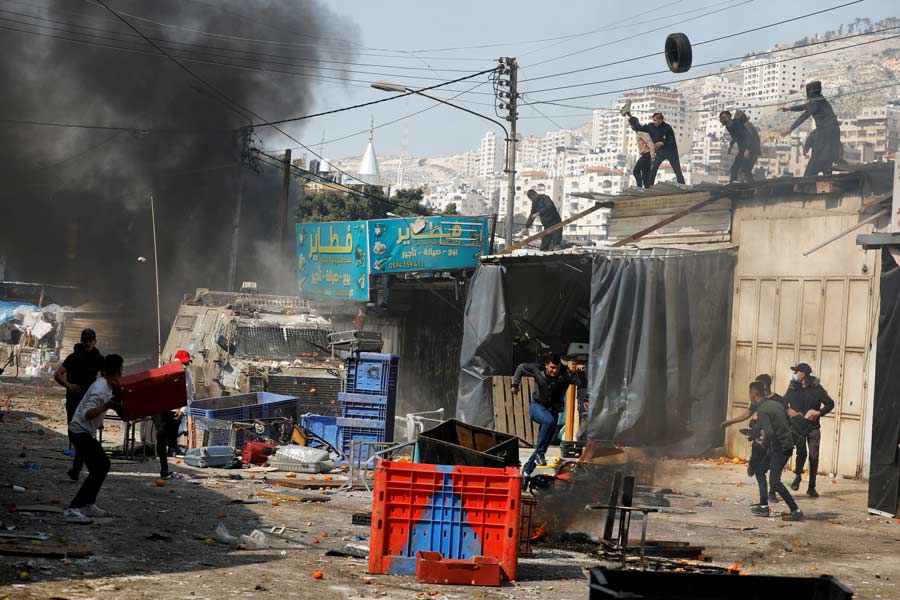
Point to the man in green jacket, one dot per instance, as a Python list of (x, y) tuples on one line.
[(777, 435)]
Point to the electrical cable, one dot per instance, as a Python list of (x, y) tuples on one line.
[(167, 43), (731, 35), (625, 39), (738, 69), (387, 123), (717, 62), (315, 178)]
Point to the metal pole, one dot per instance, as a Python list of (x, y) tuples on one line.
[(511, 152), (833, 238), (156, 277), (283, 209)]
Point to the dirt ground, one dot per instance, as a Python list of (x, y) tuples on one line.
[(159, 541)]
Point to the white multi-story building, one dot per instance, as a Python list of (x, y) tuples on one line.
[(768, 81), (491, 155), (594, 226), (865, 136), (468, 200), (644, 103), (540, 181)]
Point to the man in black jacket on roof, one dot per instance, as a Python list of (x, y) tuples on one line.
[(551, 382), (542, 206), (806, 401), (663, 137)]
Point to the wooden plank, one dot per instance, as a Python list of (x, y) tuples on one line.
[(666, 221), (516, 401), (553, 228), (532, 426), (497, 402), (309, 485)]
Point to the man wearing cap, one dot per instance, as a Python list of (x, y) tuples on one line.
[(185, 358), (77, 373), (168, 424), (806, 401)]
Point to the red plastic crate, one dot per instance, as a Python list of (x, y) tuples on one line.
[(153, 392), (461, 512), (432, 567)]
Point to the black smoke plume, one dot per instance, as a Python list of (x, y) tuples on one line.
[(74, 203)]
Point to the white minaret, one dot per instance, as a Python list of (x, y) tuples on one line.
[(368, 168)]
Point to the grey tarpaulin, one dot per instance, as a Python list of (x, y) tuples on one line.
[(486, 341), (515, 312), (661, 317), (884, 473), (660, 330)]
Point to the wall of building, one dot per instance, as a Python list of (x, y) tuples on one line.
[(818, 309)]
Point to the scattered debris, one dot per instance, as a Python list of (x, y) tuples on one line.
[(46, 550)]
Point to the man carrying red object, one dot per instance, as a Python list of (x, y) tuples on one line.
[(170, 424)]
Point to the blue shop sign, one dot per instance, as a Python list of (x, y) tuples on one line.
[(332, 260), (438, 243)]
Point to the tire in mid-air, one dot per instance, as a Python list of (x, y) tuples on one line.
[(678, 52)]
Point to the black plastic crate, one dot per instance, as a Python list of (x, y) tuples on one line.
[(613, 584), (571, 449), (362, 519), (456, 443)]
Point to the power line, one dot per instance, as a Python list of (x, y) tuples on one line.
[(379, 101), (610, 43), (315, 178), (336, 50), (120, 128), (392, 122), (167, 44), (738, 69), (220, 48), (716, 62), (731, 35)]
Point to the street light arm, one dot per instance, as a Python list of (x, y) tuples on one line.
[(471, 112)]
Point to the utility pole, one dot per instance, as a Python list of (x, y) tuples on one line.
[(510, 68), (156, 278), (244, 134), (283, 209)]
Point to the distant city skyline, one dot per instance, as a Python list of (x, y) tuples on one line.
[(444, 131)]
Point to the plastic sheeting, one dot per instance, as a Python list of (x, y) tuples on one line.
[(514, 313), (486, 347), (884, 474), (660, 331)]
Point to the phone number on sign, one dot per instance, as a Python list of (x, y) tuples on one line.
[(407, 264)]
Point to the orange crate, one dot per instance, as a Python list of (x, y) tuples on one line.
[(461, 512)]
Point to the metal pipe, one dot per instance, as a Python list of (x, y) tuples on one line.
[(156, 277), (878, 215)]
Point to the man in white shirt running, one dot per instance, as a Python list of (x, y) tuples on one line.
[(88, 417)]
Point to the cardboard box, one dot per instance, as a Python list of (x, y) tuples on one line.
[(153, 392)]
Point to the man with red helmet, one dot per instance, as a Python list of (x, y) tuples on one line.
[(170, 424)]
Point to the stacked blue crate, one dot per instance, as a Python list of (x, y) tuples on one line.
[(369, 403)]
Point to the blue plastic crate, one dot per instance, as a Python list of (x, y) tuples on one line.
[(349, 434), (324, 426), (246, 407), (355, 423), (372, 373), (363, 407)]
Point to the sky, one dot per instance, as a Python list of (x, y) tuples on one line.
[(423, 37)]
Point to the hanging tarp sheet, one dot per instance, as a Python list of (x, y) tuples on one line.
[(884, 474), (660, 329), (514, 313)]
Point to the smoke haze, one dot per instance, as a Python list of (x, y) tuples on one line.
[(73, 204)]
